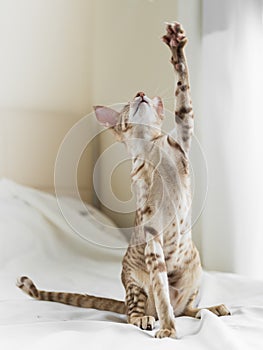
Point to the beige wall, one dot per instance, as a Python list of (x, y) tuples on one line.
[(45, 86)]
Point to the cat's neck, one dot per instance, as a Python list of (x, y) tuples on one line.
[(142, 141), (139, 148)]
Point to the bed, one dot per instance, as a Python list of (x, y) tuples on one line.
[(37, 241)]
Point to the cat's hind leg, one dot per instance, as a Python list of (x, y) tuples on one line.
[(136, 300), (190, 310)]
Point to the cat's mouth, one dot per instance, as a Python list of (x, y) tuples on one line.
[(140, 103), (143, 101)]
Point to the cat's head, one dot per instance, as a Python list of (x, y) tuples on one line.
[(142, 117)]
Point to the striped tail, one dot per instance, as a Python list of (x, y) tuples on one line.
[(80, 300)]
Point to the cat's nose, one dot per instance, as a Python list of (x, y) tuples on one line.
[(140, 94)]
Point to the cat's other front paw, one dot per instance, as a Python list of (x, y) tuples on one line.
[(175, 36), (165, 333)]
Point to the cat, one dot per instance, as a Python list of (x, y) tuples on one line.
[(161, 270)]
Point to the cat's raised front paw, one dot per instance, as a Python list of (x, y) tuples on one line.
[(175, 35)]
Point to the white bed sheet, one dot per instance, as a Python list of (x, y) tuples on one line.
[(36, 241)]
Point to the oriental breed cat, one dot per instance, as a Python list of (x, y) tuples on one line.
[(161, 268)]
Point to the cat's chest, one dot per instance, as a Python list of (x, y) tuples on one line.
[(156, 178), (177, 248)]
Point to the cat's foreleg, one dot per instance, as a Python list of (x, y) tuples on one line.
[(176, 40), (155, 263)]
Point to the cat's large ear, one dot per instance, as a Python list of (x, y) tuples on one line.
[(106, 116), (158, 104)]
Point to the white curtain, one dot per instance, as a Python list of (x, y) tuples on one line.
[(232, 135)]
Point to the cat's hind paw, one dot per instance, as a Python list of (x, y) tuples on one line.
[(220, 310)]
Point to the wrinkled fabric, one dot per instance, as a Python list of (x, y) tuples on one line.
[(36, 241)]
